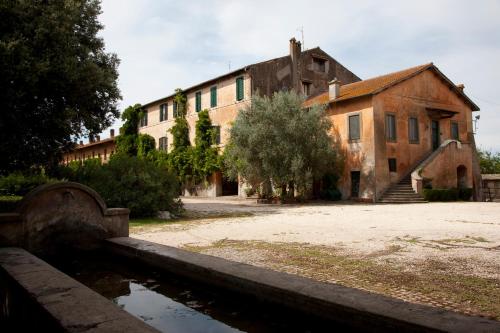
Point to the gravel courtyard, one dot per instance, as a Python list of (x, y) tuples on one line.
[(392, 249)]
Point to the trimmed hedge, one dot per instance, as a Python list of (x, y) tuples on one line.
[(8, 203), (20, 184), (452, 194)]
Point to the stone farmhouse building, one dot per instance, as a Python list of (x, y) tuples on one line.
[(403, 131), (307, 72), (399, 132), (95, 148)]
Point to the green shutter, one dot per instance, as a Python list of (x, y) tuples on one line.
[(213, 97), (239, 89), (198, 101)]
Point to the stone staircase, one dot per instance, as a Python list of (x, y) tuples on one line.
[(402, 192)]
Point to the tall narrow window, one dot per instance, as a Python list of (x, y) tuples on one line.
[(454, 130), (163, 112), (354, 130), (390, 127), (198, 101), (213, 97), (217, 134), (239, 89), (306, 88), (413, 130), (144, 119), (163, 144)]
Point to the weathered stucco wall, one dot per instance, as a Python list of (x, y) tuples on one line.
[(411, 98), (61, 214), (359, 154), (442, 169)]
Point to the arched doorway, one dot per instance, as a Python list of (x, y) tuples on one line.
[(461, 176)]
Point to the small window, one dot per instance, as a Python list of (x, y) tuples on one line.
[(163, 144), (390, 127), (354, 129), (392, 165), (454, 130), (413, 130), (239, 89), (217, 134), (198, 101), (144, 119), (213, 97), (319, 65), (163, 112), (174, 106), (306, 88)]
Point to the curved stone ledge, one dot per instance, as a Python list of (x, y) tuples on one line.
[(62, 214)]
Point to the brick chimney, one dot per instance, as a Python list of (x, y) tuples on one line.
[(91, 138), (112, 133), (461, 87), (81, 142), (333, 89), (98, 137), (295, 51)]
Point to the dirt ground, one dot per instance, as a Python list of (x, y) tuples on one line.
[(442, 254)]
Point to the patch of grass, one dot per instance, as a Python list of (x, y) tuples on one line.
[(431, 281)]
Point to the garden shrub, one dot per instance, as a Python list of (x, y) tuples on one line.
[(329, 190), (8, 203), (464, 194), (20, 184), (439, 194), (139, 184)]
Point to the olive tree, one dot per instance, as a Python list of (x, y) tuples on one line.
[(276, 143)]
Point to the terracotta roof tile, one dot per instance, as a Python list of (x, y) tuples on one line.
[(379, 83)]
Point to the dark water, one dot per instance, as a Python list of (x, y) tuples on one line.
[(171, 304)]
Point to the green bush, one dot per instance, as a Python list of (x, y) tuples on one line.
[(439, 194), (8, 203), (329, 189), (464, 194), (140, 184), (20, 184)]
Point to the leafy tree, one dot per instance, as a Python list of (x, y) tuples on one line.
[(181, 155), (57, 83), (488, 161), (126, 142), (145, 145), (276, 142), (206, 159)]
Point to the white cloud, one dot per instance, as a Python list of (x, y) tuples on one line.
[(169, 44)]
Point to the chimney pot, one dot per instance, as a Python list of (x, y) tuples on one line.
[(81, 142), (334, 89), (461, 87), (112, 133)]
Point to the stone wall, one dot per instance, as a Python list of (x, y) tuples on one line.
[(62, 214)]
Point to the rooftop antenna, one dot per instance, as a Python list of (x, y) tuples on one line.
[(229, 65), (301, 29)]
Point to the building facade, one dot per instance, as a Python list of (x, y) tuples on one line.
[(402, 132), (307, 72)]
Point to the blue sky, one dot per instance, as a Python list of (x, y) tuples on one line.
[(168, 44)]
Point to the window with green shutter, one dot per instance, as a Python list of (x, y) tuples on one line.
[(198, 101), (213, 97), (239, 89), (454, 130)]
